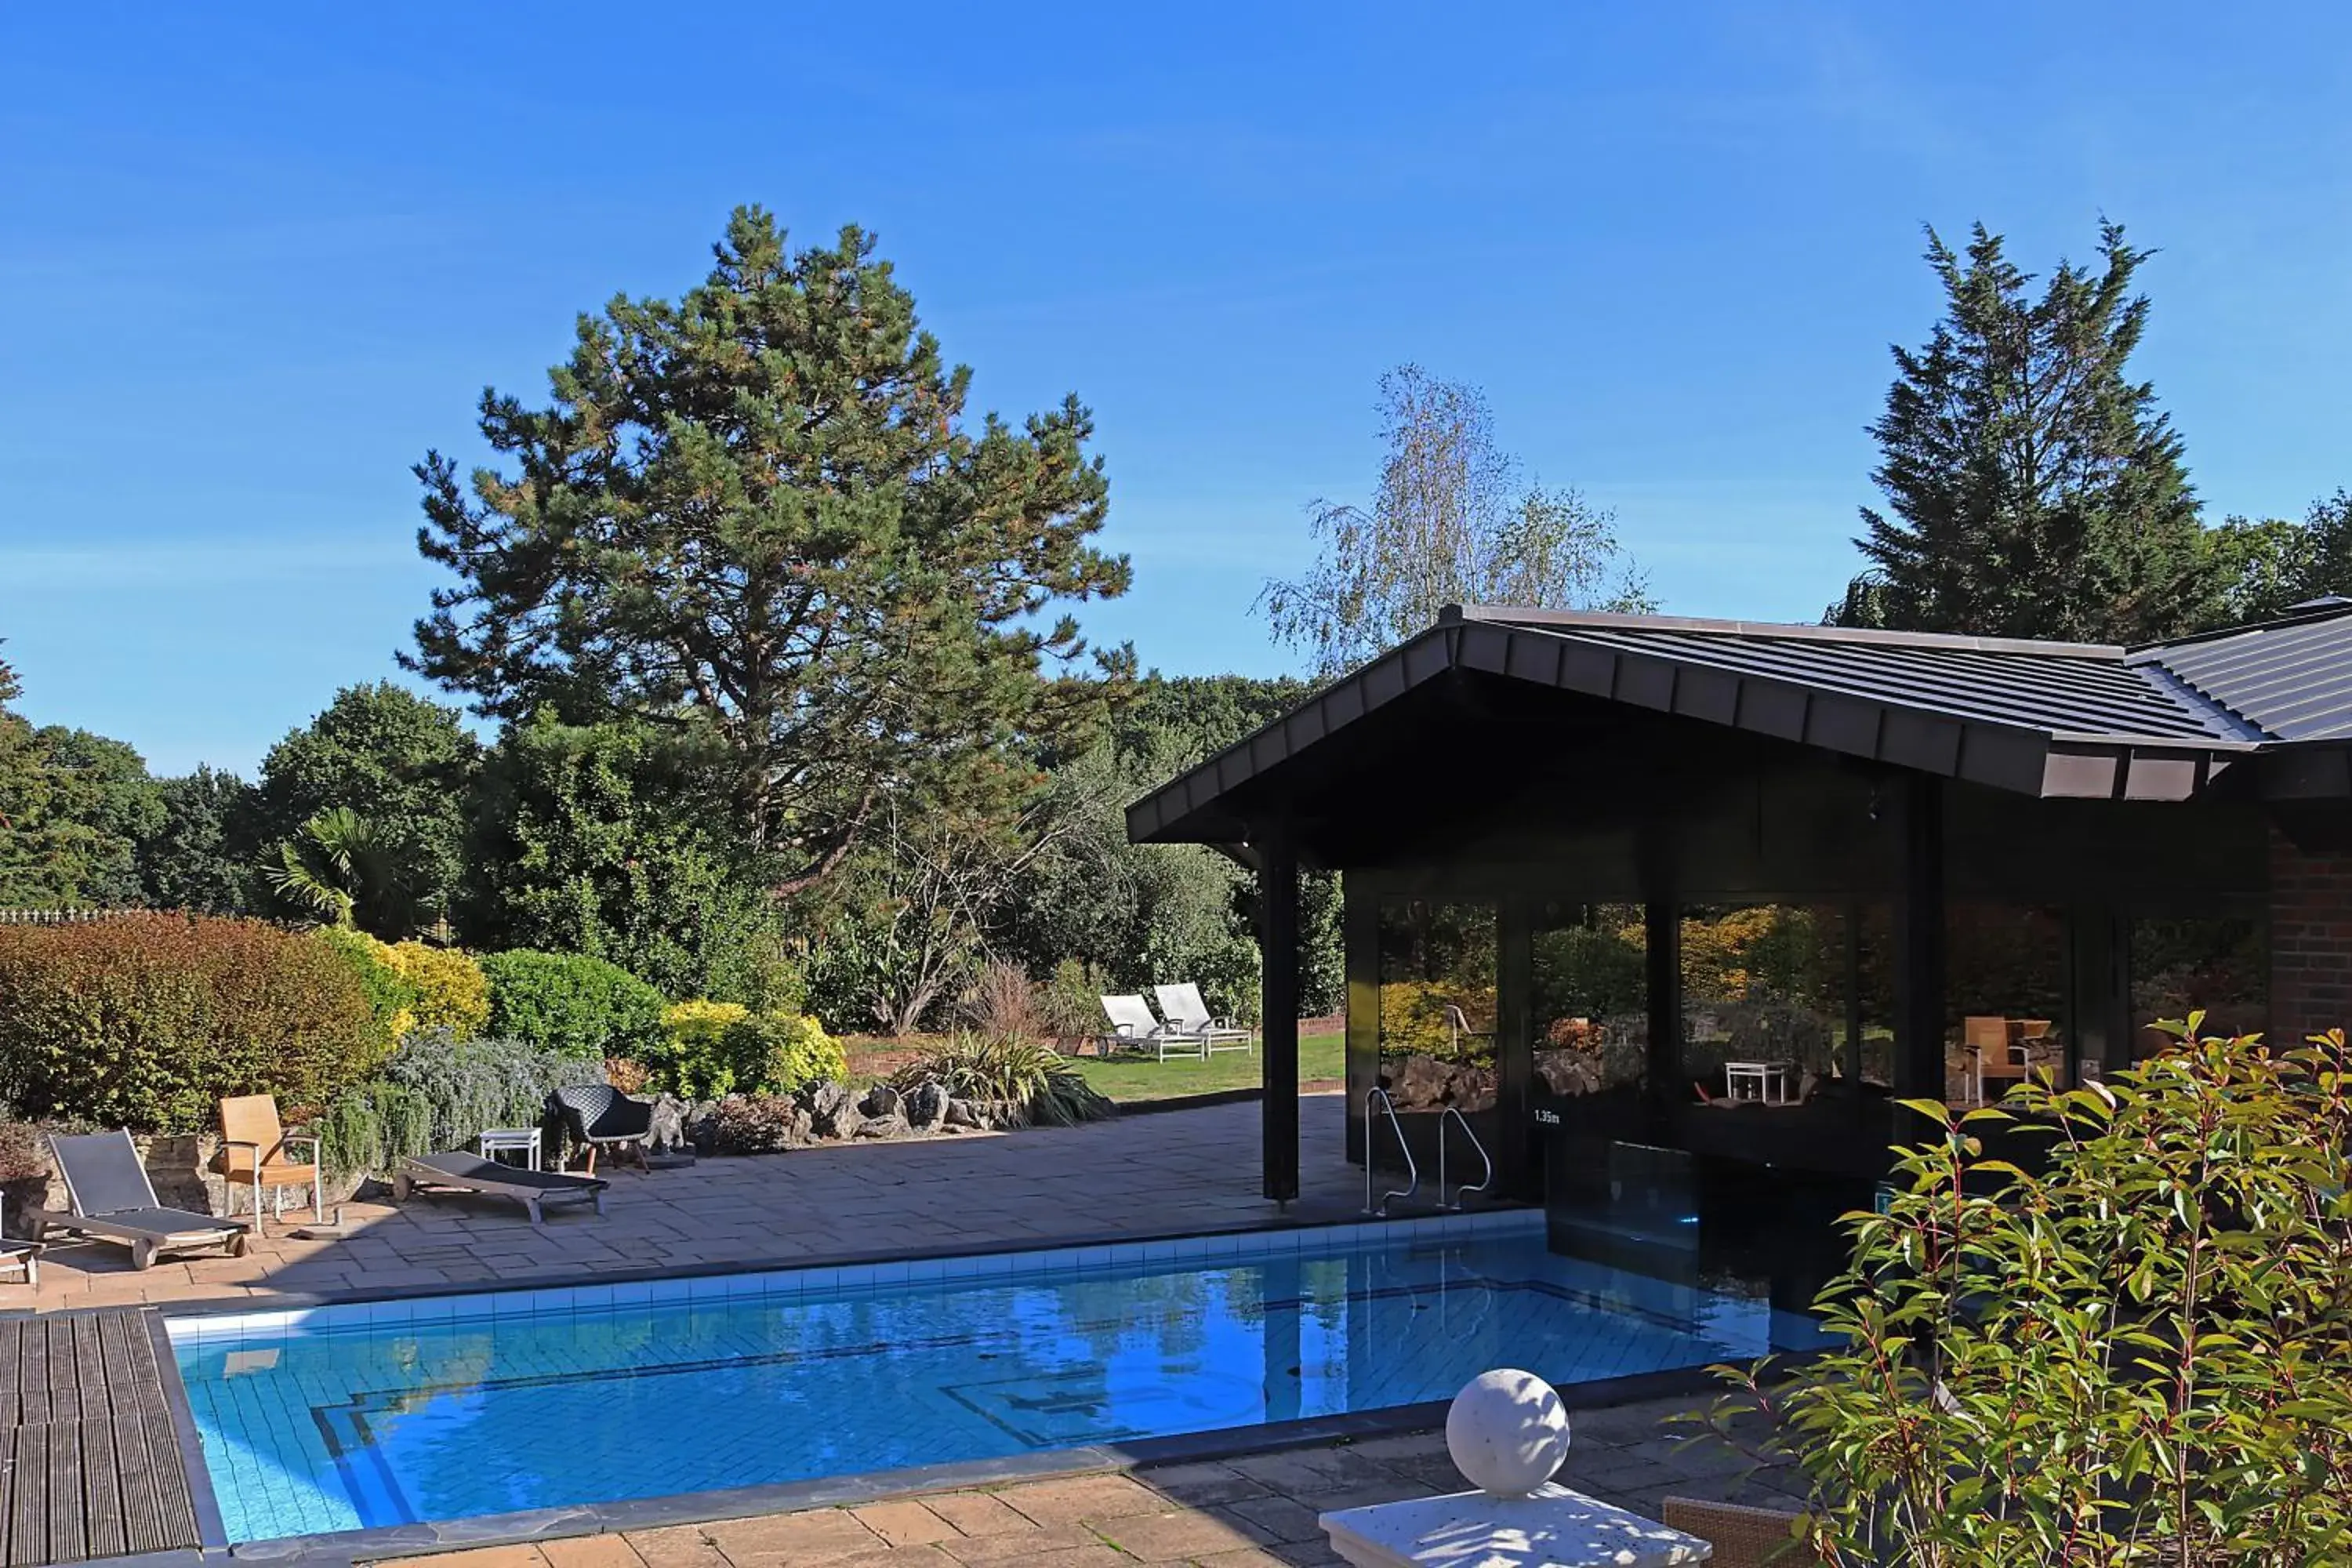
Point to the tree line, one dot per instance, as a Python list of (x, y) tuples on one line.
[(775, 642)]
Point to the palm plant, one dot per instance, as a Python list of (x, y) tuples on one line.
[(1028, 1081), (327, 866)]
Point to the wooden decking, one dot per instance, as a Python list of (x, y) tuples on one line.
[(89, 1460)]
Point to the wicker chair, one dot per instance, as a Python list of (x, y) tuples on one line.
[(1742, 1537), (602, 1118)]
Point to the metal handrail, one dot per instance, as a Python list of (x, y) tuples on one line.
[(1377, 1096), (1454, 1113)]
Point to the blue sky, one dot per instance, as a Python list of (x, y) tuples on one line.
[(256, 259)]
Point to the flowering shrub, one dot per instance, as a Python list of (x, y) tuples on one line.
[(146, 1021)]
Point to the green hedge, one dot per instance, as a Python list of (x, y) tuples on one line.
[(572, 1005), (147, 1021)]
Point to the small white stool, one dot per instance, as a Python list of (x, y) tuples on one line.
[(522, 1139), (1554, 1528)]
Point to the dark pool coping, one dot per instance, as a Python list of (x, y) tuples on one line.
[(344, 1547), (1301, 1216)]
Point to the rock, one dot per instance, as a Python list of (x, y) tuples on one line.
[(926, 1105), (880, 1100), (668, 1131), (830, 1114), (961, 1113), (1568, 1072), (891, 1126), (702, 1126), (1420, 1083)]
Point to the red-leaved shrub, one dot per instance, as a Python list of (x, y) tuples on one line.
[(146, 1021)]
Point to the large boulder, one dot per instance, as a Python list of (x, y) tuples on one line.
[(891, 1126), (881, 1101), (926, 1106), (831, 1114), (1420, 1083), (964, 1113)]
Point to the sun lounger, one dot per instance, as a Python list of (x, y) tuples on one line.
[(488, 1178), (1187, 1014), (114, 1201), (1131, 1023)]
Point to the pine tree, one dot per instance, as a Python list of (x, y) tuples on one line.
[(758, 513), (2036, 489)]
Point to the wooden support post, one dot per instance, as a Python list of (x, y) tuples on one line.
[(1920, 917), (1279, 1012), (2098, 961), (1359, 934)]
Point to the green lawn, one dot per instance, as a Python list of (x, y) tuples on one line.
[(1141, 1077)]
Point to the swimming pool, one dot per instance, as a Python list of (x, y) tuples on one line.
[(449, 1407)]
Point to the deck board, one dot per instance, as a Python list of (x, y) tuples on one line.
[(89, 1458)]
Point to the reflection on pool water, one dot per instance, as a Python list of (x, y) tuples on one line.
[(345, 1417)]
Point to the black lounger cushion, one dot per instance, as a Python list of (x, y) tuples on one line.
[(465, 1170)]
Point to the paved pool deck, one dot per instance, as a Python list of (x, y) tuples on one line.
[(1168, 1172), (1248, 1512)]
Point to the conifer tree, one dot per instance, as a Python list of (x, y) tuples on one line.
[(758, 513), (2034, 488)]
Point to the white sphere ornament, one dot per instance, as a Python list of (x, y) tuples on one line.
[(1508, 1432)]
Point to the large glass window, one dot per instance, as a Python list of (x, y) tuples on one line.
[(2005, 999), (2219, 965), (1589, 999), (1437, 1004), (1783, 1004)]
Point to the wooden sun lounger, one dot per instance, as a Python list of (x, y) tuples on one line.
[(486, 1178)]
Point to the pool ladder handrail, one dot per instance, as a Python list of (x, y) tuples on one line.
[(1378, 1098), (1453, 1114)]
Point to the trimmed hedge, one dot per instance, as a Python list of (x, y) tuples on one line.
[(412, 986), (711, 1049), (573, 1004), (147, 1021)]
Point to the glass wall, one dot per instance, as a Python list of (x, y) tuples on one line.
[(2221, 964), (1784, 1004), (1589, 1000), (2005, 1013), (1437, 979)]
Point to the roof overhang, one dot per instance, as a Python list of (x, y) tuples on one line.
[(1906, 735)]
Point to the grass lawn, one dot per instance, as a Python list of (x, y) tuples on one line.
[(1142, 1078)]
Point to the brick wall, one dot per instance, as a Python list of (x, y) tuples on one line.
[(2310, 939)]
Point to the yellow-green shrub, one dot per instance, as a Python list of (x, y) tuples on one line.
[(712, 1048), (452, 992)]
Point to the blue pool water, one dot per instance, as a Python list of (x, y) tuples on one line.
[(345, 1417)]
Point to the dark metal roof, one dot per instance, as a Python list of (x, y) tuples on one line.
[(2290, 680), (2050, 718)]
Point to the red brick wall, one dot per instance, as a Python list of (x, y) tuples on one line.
[(2310, 939)]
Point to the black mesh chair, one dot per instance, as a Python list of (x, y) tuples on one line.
[(600, 1116)]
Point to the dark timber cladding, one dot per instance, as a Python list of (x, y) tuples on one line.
[(91, 1466), (1528, 758)]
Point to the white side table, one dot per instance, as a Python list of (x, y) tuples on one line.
[(1555, 1528), (521, 1140), (1767, 1083)]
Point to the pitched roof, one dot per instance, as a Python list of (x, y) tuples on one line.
[(2051, 719), (2289, 681)]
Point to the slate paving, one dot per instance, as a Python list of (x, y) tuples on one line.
[(1253, 1511), (1193, 1170)]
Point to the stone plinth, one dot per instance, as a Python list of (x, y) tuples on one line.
[(1555, 1528)]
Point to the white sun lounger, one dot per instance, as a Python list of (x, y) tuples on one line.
[(1188, 1014), (1131, 1023)]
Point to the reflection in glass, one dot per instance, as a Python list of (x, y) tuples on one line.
[(2005, 999), (2221, 964), (1783, 1004), (1437, 1004), (1589, 1004)]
